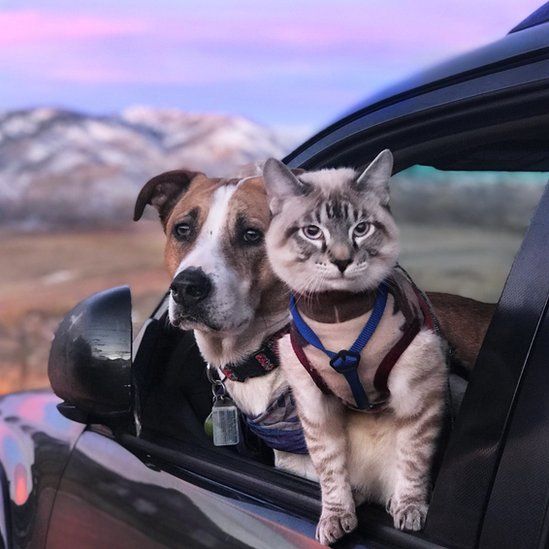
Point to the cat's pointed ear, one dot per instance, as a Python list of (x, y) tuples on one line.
[(376, 176), (281, 183)]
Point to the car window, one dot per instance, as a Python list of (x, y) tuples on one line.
[(460, 230)]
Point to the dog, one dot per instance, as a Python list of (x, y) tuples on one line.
[(222, 285), (224, 289)]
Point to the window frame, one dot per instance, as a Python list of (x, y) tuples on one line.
[(477, 118), (232, 475)]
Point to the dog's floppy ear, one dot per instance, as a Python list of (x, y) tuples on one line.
[(162, 192)]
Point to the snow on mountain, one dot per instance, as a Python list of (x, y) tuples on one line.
[(59, 167)]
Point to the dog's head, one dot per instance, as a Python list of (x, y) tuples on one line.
[(215, 251)]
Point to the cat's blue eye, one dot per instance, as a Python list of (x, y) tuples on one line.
[(312, 232), (361, 229)]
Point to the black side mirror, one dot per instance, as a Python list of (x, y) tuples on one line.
[(91, 357)]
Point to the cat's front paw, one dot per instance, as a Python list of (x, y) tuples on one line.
[(334, 525), (408, 515)]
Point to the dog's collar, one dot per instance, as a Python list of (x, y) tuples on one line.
[(263, 361)]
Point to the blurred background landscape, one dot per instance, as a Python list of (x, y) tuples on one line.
[(212, 94)]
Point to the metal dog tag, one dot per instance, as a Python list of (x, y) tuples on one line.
[(225, 422)]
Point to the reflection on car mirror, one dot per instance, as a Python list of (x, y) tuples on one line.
[(91, 357)]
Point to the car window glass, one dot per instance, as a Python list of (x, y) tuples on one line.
[(460, 230)]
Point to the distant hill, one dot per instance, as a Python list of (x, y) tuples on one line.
[(59, 167), (423, 195)]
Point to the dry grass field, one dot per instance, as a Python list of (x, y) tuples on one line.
[(44, 275)]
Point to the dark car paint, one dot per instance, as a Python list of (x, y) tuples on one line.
[(468, 481), (488, 59), (517, 513), (520, 60), (541, 15), (35, 444), (110, 498), (94, 341)]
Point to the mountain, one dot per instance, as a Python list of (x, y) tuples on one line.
[(60, 168)]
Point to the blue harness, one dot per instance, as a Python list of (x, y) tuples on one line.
[(346, 361)]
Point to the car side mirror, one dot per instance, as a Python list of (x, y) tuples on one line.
[(91, 357)]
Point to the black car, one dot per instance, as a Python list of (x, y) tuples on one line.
[(122, 459)]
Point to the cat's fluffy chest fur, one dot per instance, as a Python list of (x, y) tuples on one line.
[(383, 457)]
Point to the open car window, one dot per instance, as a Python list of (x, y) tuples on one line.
[(460, 230)]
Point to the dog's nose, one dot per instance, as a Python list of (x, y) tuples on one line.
[(190, 286), (342, 264)]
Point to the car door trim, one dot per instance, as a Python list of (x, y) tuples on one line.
[(269, 486)]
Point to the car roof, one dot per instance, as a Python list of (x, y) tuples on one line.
[(516, 46), (512, 45), (514, 49), (541, 15)]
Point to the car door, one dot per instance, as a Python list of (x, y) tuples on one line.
[(113, 497), (170, 489)]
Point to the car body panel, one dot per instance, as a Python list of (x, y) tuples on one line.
[(109, 497), (478, 440), (35, 443), (541, 15), (453, 83), (90, 358), (517, 512), (487, 59), (5, 510)]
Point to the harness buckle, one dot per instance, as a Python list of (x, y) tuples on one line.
[(345, 361)]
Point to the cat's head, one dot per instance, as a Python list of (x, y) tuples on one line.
[(332, 229)]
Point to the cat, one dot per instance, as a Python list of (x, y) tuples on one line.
[(335, 243)]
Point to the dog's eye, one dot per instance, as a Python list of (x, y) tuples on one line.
[(252, 236), (312, 232), (361, 229), (182, 231)]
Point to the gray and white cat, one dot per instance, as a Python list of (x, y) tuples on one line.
[(332, 240)]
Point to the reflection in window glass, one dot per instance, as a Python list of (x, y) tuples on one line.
[(460, 230)]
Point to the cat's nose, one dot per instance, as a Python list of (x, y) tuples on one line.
[(342, 264)]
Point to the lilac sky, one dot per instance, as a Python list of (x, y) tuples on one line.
[(285, 63)]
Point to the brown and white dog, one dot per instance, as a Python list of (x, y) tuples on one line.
[(224, 289)]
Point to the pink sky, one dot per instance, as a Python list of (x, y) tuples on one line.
[(285, 62)]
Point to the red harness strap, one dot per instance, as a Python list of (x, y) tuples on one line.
[(391, 358), (429, 320), (295, 339)]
